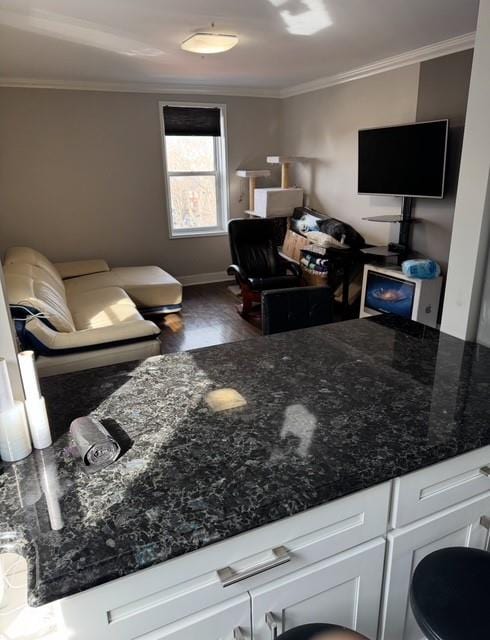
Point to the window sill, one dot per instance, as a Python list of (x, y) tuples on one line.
[(198, 234)]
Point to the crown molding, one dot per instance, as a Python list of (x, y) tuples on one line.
[(139, 87), (436, 50)]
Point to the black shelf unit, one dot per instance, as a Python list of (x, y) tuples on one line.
[(405, 220)]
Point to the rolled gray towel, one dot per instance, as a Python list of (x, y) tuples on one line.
[(96, 445)]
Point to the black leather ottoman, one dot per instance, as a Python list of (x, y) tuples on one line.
[(450, 594), (320, 632)]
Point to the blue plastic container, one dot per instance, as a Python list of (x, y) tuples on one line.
[(423, 269)]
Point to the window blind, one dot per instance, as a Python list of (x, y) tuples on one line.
[(192, 121)]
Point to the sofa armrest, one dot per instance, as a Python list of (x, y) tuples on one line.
[(80, 268), (52, 341)]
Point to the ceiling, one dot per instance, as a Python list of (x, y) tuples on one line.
[(283, 43)]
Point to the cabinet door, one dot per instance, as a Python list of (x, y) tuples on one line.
[(456, 527), (345, 590), (227, 621)]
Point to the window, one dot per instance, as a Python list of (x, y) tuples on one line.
[(194, 155)]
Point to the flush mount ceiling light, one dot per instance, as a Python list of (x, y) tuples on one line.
[(205, 43)]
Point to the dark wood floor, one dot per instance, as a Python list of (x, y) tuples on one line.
[(208, 317)]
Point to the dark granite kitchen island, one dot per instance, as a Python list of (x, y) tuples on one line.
[(329, 411)]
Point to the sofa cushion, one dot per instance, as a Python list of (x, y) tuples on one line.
[(101, 308), (26, 255), (147, 286), (37, 273), (32, 287), (80, 267)]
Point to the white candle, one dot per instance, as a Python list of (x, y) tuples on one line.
[(15, 442), (6, 397), (38, 423), (28, 373)]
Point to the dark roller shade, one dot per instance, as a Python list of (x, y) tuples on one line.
[(192, 121)]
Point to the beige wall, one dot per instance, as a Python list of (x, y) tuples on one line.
[(81, 171), (323, 125), (443, 93), (81, 175)]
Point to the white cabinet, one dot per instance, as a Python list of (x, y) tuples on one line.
[(441, 486), (227, 621), (165, 596), (458, 526), (330, 568), (344, 590)]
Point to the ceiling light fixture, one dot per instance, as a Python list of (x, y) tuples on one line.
[(205, 43)]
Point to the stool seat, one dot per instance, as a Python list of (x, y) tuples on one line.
[(450, 594), (320, 631)]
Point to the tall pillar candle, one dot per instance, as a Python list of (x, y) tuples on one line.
[(15, 442), (35, 404), (28, 373), (6, 396)]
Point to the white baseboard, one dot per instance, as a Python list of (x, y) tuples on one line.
[(204, 278)]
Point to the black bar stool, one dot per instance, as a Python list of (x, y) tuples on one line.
[(320, 632), (450, 594)]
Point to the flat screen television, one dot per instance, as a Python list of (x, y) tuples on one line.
[(405, 160)]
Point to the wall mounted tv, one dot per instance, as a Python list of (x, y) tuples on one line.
[(406, 160)]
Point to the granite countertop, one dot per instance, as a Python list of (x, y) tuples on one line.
[(329, 411)]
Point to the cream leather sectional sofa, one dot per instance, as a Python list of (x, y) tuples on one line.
[(77, 315)]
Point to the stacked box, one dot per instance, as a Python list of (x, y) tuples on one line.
[(276, 202)]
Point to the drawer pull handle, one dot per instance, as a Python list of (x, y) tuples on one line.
[(238, 634), (272, 623), (227, 576), (485, 470)]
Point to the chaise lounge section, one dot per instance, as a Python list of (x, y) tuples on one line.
[(84, 314)]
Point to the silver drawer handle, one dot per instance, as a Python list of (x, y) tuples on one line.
[(272, 622), (485, 470), (238, 634), (227, 576)]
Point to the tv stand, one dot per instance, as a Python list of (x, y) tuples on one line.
[(405, 220)]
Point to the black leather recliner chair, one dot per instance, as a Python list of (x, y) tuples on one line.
[(257, 264)]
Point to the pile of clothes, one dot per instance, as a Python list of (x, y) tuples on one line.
[(314, 261), (324, 231)]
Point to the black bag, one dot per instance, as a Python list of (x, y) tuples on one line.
[(332, 226), (342, 232)]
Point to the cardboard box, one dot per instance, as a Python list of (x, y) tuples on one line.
[(292, 245), (275, 202)]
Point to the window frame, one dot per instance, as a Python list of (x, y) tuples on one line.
[(221, 173)]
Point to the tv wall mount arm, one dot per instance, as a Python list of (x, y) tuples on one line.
[(403, 245), (405, 220)]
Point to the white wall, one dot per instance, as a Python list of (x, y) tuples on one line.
[(469, 243), (483, 333), (443, 93)]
